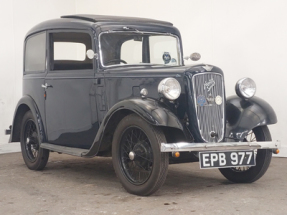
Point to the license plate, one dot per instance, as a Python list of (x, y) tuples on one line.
[(226, 159)]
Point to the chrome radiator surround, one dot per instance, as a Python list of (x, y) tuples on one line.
[(210, 117)]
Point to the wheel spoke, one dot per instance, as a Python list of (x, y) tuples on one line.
[(126, 150), (137, 168), (144, 158), (144, 169), (31, 140), (250, 137)]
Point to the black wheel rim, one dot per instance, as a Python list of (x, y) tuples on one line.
[(136, 156), (31, 142)]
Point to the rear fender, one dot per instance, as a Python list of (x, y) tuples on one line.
[(25, 104)]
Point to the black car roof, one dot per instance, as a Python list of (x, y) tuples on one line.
[(123, 19), (84, 21)]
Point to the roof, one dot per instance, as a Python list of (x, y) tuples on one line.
[(104, 18), (85, 21)]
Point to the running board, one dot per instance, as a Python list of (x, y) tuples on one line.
[(65, 150)]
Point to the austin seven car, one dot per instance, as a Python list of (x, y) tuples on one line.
[(96, 85)]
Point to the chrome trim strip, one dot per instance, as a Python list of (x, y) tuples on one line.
[(195, 89), (141, 32), (195, 147)]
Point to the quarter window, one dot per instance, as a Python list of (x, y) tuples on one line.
[(35, 53)]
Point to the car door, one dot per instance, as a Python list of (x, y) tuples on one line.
[(71, 110)]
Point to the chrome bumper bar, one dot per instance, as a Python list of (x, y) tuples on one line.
[(189, 147)]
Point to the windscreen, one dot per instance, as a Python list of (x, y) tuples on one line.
[(120, 48)]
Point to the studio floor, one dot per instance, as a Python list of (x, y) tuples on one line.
[(72, 185)]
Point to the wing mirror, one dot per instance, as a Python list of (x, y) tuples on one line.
[(194, 56), (91, 54)]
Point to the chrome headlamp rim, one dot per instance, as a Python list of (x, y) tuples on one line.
[(165, 84), (240, 90)]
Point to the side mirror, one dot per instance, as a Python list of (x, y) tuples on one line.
[(91, 54), (194, 56)]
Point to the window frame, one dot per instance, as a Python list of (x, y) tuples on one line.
[(24, 54), (179, 48), (50, 50)]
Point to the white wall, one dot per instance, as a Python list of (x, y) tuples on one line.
[(244, 38), (17, 18)]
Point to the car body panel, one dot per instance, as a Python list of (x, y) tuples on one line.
[(25, 104), (149, 109), (244, 115), (71, 112)]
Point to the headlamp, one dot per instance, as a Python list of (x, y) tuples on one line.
[(245, 88), (170, 88)]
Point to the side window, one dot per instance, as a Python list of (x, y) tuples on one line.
[(68, 51), (131, 51), (35, 53)]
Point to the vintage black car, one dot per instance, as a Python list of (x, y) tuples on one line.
[(117, 86)]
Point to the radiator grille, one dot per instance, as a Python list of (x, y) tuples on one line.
[(210, 114)]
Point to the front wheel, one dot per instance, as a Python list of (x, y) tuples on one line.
[(263, 159), (34, 157), (137, 159)]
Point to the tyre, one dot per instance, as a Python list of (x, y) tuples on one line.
[(263, 159), (137, 160), (34, 157)]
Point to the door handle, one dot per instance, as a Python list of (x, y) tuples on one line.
[(46, 85), (98, 81)]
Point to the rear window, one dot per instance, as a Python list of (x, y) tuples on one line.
[(35, 53)]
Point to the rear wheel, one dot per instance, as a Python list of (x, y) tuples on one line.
[(263, 158), (137, 159), (34, 157)]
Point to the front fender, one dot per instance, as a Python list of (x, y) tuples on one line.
[(150, 110), (25, 104), (244, 115)]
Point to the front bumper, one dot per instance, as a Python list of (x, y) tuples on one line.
[(198, 147)]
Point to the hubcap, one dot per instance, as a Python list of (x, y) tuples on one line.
[(132, 155)]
